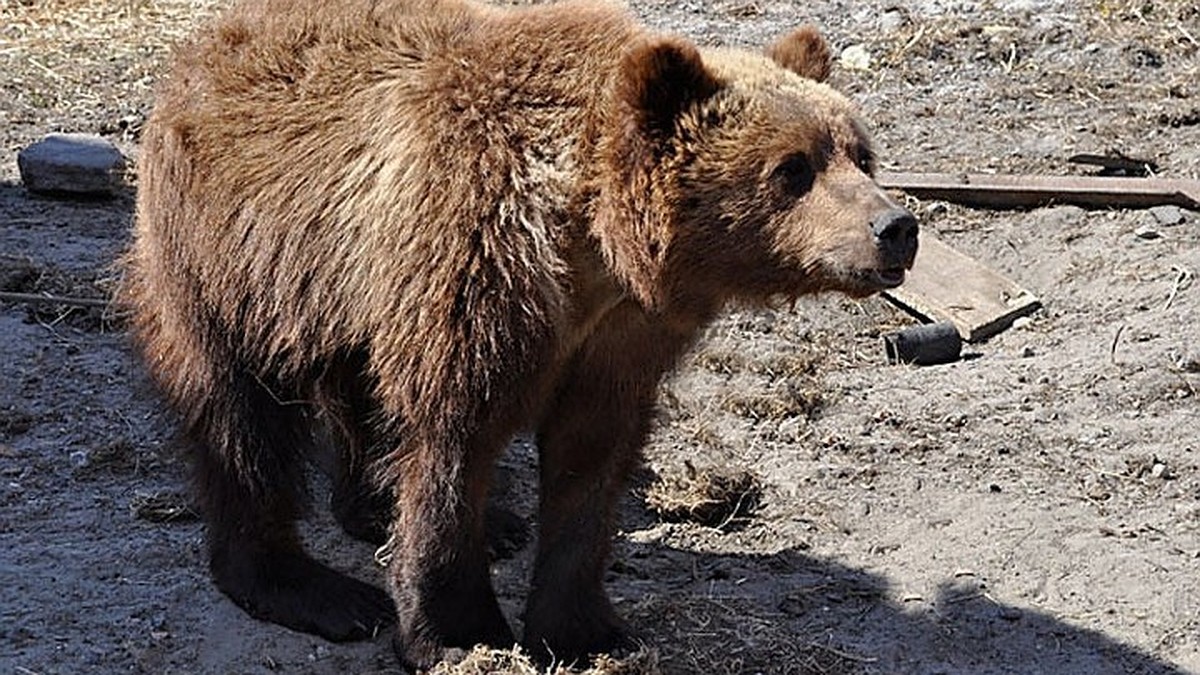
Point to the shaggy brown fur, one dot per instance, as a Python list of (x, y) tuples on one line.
[(433, 224)]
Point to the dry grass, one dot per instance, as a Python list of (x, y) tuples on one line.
[(779, 403), (163, 506), (22, 275), (775, 383), (1148, 31), (1161, 23), (721, 361), (71, 65), (731, 636), (111, 28), (486, 661), (711, 635), (714, 496), (725, 361)]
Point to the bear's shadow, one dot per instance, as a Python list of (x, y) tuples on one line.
[(794, 612)]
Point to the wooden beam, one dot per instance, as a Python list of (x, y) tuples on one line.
[(1013, 192), (946, 285)]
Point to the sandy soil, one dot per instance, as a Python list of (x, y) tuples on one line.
[(1032, 509)]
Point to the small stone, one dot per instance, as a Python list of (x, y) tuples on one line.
[(1010, 614), (1021, 323), (1167, 215), (76, 164), (1144, 57), (1147, 232), (891, 20), (1158, 470), (855, 57), (1028, 352), (937, 208)]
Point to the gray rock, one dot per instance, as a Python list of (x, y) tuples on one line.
[(1147, 232), (77, 164), (1167, 215)]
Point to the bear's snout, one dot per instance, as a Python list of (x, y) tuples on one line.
[(895, 233)]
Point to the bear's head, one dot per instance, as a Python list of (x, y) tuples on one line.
[(732, 174)]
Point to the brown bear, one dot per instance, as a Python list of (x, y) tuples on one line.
[(429, 225)]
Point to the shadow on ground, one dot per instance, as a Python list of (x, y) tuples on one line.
[(794, 613)]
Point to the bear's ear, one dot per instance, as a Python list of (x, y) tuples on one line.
[(804, 52), (658, 80)]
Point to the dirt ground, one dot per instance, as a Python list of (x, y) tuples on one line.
[(1034, 508)]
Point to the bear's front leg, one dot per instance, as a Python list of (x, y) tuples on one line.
[(439, 569), (589, 441)]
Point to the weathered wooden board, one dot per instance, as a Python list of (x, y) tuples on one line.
[(946, 285), (1024, 192)]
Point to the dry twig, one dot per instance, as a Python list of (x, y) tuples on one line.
[(35, 299)]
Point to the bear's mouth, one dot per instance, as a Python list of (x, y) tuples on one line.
[(886, 278)]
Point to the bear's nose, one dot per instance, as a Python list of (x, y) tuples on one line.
[(896, 225), (895, 231)]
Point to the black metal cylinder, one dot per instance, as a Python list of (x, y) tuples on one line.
[(925, 345)]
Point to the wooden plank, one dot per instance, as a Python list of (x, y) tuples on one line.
[(946, 285), (1009, 192)]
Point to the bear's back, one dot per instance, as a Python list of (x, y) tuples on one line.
[(334, 169)]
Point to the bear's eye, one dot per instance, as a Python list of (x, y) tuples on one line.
[(795, 175), (865, 160)]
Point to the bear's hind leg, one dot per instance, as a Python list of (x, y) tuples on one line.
[(359, 501), (249, 474)]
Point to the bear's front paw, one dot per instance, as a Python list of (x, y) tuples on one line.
[(574, 637), (421, 645), (419, 654)]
